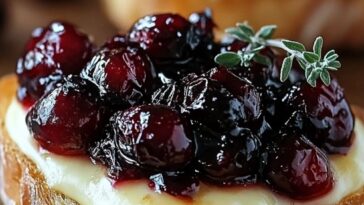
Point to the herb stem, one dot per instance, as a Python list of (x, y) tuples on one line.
[(277, 43)]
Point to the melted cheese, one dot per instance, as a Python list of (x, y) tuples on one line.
[(86, 183)]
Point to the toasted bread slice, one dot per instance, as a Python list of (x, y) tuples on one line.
[(23, 183)]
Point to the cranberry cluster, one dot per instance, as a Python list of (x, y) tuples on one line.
[(152, 104)]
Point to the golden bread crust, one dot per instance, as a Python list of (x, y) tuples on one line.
[(24, 184)]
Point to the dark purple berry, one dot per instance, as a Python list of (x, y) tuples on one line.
[(116, 42), (169, 94), (204, 31), (155, 137), (298, 168), (328, 121), (66, 119), (221, 101), (104, 150), (229, 160), (163, 36), (204, 24), (176, 46), (124, 75), (59, 49)]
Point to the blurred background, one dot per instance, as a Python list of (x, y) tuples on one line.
[(341, 22)]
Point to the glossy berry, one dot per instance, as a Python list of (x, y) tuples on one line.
[(104, 150), (199, 61), (116, 42), (298, 168), (124, 75), (35, 85), (36, 36), (169, 94), (52, 51), (155, 137), (204, 25), (229, 160), (176, 46), (66, 119), (328, 120), (183, 183), (221, 101), (273, 91), (163, 36)]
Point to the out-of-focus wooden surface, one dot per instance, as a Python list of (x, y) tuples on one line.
[(24, 15)]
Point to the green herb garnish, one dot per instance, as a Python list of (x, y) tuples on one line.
[(314, 64)]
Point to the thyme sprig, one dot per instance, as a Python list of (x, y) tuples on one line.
[(314, 63)]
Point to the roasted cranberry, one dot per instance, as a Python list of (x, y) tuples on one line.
[(36, 36), (204, 30), (67, 118), (266, 80), (211, 104), (200, 61), (36, 83), (52, 51), (204, 23), (176, 46), (124, 76), (328, 120), (298, 168), (163, 36), (116, 42), (220, 104), (155, 137), (104, 150), (170, 94), (228, 160), (240, 88)]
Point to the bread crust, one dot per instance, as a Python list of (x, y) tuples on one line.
[(23, 183)]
